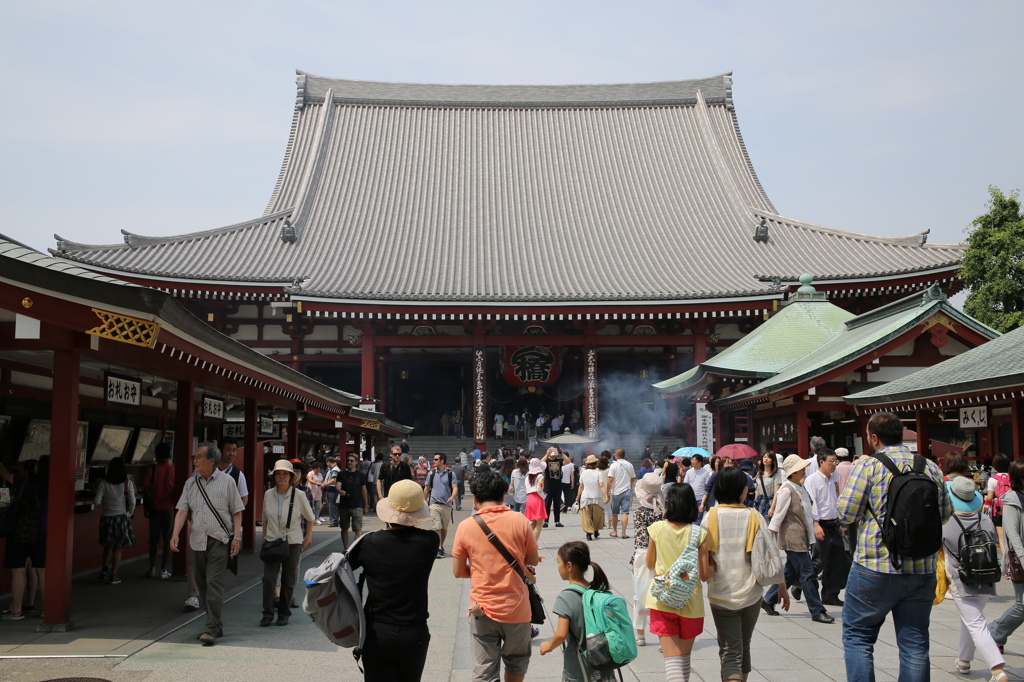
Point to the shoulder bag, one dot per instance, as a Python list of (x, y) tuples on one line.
[(1013, 564), (9, 519), (537, 614), (276, 551), (232, 564)]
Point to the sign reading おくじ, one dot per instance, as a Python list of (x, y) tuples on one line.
[(974, 417)]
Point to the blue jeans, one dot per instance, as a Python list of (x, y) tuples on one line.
[(518, 506), (1011, 619), (799, 571), (870, 596)]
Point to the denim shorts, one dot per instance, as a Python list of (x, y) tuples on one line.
[(622, 502)]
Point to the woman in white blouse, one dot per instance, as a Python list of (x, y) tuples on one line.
[(283, 506)]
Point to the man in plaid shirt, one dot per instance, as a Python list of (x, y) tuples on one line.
[(875, 587)]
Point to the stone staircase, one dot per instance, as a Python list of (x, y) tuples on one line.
[(451, 446)]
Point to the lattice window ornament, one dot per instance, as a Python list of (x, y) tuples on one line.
[(126, 329)]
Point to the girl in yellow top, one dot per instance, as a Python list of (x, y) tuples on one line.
[(677, 628)]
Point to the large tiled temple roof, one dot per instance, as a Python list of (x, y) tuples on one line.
[(476, 193)]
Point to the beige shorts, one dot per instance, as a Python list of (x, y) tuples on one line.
[(440, 516)]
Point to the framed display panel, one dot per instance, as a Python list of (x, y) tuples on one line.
[(145, 445), (80, 445), (113, 442), (37, 440)]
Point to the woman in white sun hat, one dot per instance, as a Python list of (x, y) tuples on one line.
[(397, 564), (283, 506)]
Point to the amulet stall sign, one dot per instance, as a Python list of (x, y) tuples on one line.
[(531, 365)]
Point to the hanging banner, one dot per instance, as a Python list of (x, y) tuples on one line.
[(531, 365), (705, 427)]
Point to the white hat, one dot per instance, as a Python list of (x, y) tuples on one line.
[(285, 465), (404, 505), (794, 463)]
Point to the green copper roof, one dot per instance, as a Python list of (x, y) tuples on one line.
[(995, 365), (795, 331), (861, 335)]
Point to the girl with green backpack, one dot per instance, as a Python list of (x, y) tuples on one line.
[(573, 563)]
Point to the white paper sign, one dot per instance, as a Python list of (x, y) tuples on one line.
[(237, 430), (974, 417), (266, 426), (705, 427), (213, 408), (123, 391)]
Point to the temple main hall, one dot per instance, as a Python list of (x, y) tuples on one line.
[(487, 250)]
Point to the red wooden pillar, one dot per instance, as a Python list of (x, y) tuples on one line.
[(61, 513), (184, 426), (252, 467), (368, 359), (382, 384), (700, 346), (291, 446), (803, 437), (1017, 427), (924, 440)]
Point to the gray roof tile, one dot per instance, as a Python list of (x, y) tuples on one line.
[(407, 192)]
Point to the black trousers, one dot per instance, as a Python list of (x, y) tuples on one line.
[(395, 653), (570, 494), (829, 558), (553, 498)]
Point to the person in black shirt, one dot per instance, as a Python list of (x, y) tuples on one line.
[(397, 564), (352, 498), (393, 471), (554, 459)]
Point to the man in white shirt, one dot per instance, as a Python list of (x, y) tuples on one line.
[(828, 554), (568, 491), (621, 477), (697, 478)]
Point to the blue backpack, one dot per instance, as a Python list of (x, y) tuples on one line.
[(609, 639)]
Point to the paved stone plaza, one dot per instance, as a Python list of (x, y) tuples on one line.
[(136, 631)]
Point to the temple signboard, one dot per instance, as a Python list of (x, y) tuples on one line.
[(705, 427), (531, 365)]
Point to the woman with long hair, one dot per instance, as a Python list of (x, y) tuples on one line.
[(1013, 529), (535, 513), (116, 495), (573, 564), (671, 476), (767, 482), (592, 494), (27, 557), (733, 592), (997, 486), (508, 465)]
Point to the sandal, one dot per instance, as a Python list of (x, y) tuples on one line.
[(963, 667), (1000, 678), (614, 535), (625, 537)]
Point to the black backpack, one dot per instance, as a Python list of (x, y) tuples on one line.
[(912, 525), (978, 556)]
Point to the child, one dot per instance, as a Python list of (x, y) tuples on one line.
[(676, 628), (573, 562)]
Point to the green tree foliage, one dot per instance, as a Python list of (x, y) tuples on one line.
[(993, 266)]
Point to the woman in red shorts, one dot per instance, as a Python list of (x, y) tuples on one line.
[(677, 628)]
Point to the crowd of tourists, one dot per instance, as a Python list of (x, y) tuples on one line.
[(891, 532), (696, 527)]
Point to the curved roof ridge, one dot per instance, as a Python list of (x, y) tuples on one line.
[(132, 240), (917, 239), (313, 88)]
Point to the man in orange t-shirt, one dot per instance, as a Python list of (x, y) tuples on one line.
[(500, 623)]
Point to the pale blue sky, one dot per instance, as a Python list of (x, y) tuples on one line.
[(160, 118)]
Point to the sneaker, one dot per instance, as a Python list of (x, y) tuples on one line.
[(7, 615), (440, 553), (165, 575), (318, 522), (114, 580), (534, 631), (640, 641), (103, 576), (192, 603)]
